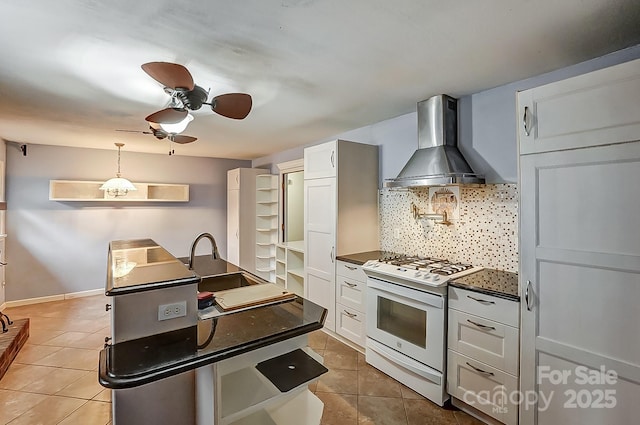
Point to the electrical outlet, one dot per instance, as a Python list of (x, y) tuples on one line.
[(396, 233), (172, 311)]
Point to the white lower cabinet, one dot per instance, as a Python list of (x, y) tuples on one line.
[(482, 387), (350, 302), (236, 392), (483, 353)]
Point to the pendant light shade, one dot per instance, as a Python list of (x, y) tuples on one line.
[(118, 186)]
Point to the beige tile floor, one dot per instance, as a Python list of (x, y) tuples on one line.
[(53, 379)]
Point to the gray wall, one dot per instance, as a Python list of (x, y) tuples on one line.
[(487, 127), (61, 247)]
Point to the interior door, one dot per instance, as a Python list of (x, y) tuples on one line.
[(580, 283)]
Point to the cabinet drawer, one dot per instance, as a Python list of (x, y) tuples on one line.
[(351, 293), (487, 306), (350, 271), (350, 324), (482, 387), (490, 342)]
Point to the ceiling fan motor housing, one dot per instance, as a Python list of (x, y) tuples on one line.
[(193, 99)]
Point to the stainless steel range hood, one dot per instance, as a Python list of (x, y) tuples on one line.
[(437, 160)]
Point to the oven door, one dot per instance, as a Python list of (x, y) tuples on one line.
[(407, 320)]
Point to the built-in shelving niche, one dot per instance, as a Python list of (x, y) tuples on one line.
[(73, 190)]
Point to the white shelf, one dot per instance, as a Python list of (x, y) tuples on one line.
[(248, 397), (290, 412), (75, 190), (290, 266), (266, 225), (297, 272)]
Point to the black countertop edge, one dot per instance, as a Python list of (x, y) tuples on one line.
[(498, 294), (107, 380), (151, 286)]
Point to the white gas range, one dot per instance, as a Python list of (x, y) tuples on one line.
[(422, 273), (406, 319)]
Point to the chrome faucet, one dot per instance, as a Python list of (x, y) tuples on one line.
[(214, 248)]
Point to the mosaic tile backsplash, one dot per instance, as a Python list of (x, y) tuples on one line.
[(485, 233)]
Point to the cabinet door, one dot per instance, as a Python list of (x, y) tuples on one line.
[(580, 284), (593, 109), (319, 240), (233, 227), (321, 161)]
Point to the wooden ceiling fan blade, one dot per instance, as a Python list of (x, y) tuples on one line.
[(134, 131), (232, 105), (179, 138), (170, 74), (167, 116)]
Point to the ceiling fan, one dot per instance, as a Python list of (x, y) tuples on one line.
[(187, 96), (160, 134)]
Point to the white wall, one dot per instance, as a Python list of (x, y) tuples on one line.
[(61, 247)]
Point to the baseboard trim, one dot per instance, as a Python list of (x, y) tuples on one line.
[(3, 306), (60, 297)]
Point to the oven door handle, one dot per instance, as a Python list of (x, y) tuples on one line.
[(396, 357), (411, 295)]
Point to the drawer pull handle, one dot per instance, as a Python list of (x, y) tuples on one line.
[(479, 370), (526, 295), (352, 315), (350, 267), (480, 300), (481, 326), (350, 285)]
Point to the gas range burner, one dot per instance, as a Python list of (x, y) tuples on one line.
[(424, 270)]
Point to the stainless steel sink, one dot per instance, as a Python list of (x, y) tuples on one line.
[(228, 281)]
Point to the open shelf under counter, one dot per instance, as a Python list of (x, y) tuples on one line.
[(89, 191), (265, 386)]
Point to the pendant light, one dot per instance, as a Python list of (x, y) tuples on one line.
[(117, 186)]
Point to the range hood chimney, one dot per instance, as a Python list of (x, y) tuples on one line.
[(437, 161)]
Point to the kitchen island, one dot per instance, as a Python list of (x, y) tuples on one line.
[(233, 355)]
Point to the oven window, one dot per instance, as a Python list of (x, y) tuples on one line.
[(403, 321)]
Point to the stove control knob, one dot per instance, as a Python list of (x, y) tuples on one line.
[(436, 278), (418, 274)]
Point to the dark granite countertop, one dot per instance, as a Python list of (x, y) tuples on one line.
[(141, 361), (361, 257), (489, 281), (141, 265)]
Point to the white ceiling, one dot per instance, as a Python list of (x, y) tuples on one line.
[(70, 69)]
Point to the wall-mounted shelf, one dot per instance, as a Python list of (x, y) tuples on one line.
[(73, 190)]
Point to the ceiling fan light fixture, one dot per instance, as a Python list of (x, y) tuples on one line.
[(178, 127), (118, 186)]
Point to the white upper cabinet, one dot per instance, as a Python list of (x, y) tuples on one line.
[(320, 161), (597, 108)]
